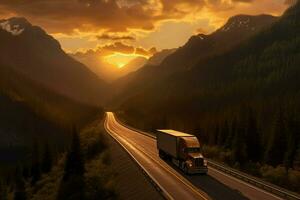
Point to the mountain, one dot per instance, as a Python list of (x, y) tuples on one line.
[(132, 66), (38, 100), (159, 57), (96, 62), (200, 47), (30, 51), (244, 100), (31, 112)]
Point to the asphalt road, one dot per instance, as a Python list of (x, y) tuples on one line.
[(175, 184)]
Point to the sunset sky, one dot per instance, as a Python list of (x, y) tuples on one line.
[(132, 27)]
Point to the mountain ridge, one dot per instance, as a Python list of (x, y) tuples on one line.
[(40, 57), (199, 47)]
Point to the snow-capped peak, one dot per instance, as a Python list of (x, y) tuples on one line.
[(13, 29)]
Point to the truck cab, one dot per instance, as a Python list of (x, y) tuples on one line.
[(183, 149), (190, 151)]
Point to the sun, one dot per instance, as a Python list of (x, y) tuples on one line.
[(120, 65), (120, 59)]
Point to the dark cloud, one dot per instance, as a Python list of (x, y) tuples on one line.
[(144, 52), (243, 1), (115, 37), (290, 2), (112, 15), (118, 47)]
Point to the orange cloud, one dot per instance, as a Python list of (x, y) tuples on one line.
[(65, 16), (118, 47), (115, 37), (124, 20)]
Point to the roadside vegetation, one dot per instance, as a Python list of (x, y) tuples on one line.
[(244, 138), (243, 104), (81, 172)]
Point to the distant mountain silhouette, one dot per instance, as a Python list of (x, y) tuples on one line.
[(106, 71), (132, 66), (159, 57), (96, 63), (199, 47), (29, 50)]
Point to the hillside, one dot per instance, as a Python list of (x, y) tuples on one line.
[(30, 51), (199, 47), (245, 100), (159, 57), (31, 112)]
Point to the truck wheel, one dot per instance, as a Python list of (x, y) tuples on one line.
[(185, 169), (162, 154)]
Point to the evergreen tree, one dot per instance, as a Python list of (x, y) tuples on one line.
[(277, 146), (292, 143), (229, 139), (19, 192), (296, 161), (3, 191), (35, 165), (74, 162), (239, 148), (47, 161), (72, 184), (224, 134), (253, 138), (26, 173)]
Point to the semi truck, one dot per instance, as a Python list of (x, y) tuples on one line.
[(183, 150)]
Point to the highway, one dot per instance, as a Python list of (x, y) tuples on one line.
[(172, 182)]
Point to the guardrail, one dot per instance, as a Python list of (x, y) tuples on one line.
[(151, 179), (278, 191)]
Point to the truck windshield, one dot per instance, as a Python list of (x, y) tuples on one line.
[(193, 150)]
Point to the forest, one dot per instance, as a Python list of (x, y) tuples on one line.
[(242, 104)]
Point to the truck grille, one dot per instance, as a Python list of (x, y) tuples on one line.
[(198, 162)]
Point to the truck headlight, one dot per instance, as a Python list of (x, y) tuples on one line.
[(190, 164), (205, 162)]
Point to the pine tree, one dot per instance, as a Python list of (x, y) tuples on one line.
[(47, 161), (277, 145), (26, 173), (3, 191), (239, 148), (72, 184), (253, 138), (35, 165), (229, 139), (19, 192), (292, 143), (74, 162), (224, 134)]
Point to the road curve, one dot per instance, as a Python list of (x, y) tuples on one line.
[(143, 149), (174, 184)]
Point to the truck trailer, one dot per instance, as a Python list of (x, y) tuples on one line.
[(183, 150)]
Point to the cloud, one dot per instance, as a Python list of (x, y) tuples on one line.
[(65, 16), (118, 47), (86, 15), (109, 21), (145, 52), (115, 37), (243, 1), (290, 2)]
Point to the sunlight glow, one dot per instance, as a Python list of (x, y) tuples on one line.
[(120, 60)]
